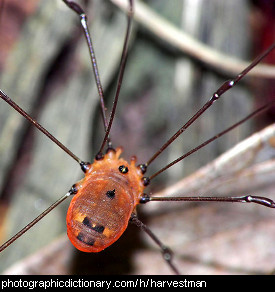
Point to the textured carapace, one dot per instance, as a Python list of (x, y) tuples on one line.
[(105, 199)]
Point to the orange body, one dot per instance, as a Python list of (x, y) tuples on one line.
[(106, 197)]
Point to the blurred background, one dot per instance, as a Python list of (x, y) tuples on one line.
[(45, 67)]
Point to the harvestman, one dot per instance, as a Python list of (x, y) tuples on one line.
[(88, 220)]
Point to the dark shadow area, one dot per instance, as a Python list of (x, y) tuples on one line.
[(116, 259)]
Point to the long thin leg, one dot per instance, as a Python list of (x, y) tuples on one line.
[(8, 100), (120, 74), (256, 112), (227, 85), (83, 20), (241, 199), (143, 167), (166, 252), (38, 218)]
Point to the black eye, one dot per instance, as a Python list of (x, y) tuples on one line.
[(111, 194), (123, 169)]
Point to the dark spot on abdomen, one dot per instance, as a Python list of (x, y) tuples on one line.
[(85, 239), (97, 228)]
